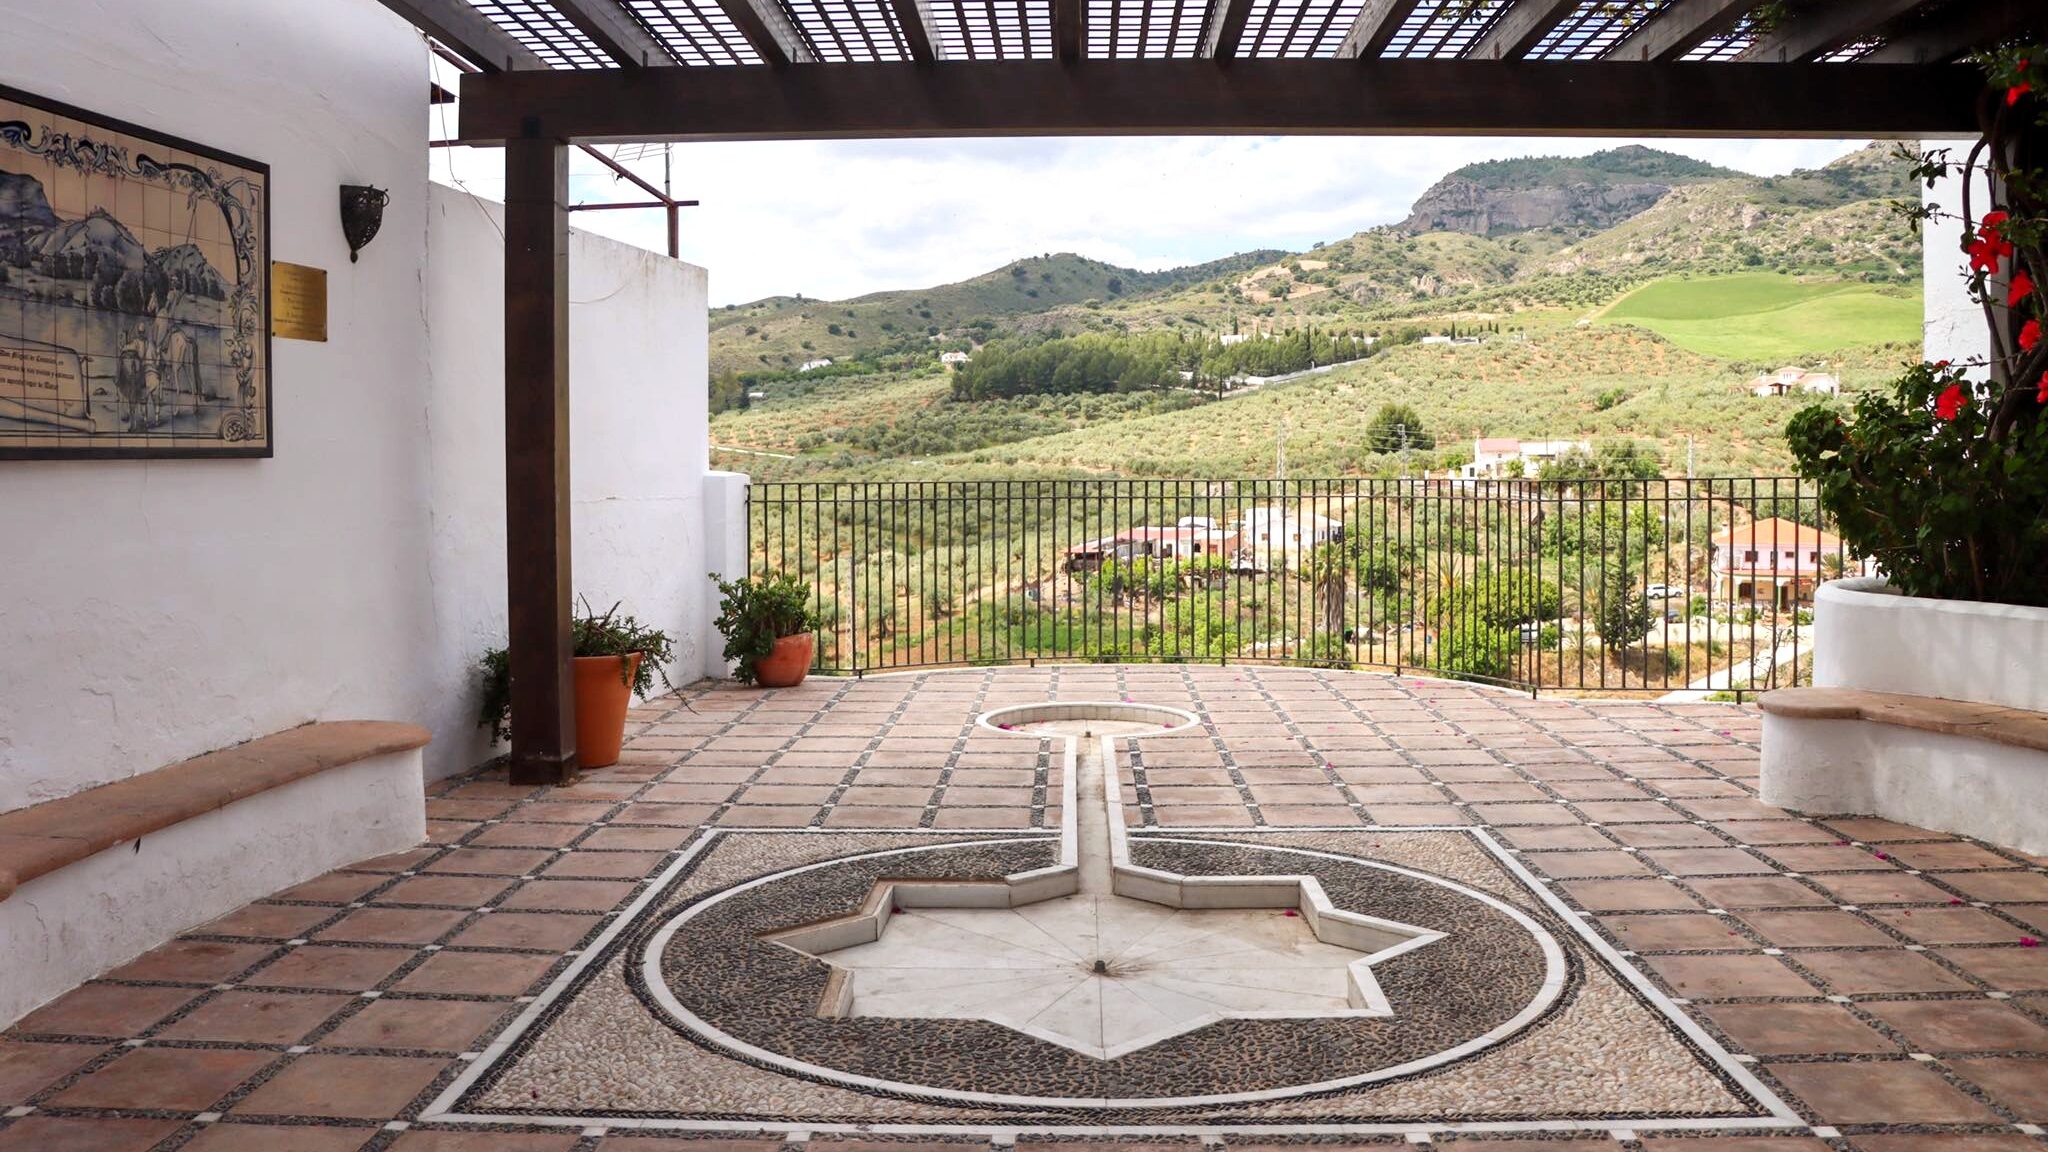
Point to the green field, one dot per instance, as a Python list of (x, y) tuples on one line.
[(1765, 316)]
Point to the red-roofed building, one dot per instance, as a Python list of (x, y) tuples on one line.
[(1785, 558)]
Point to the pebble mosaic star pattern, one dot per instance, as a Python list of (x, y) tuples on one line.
[(1870, 974)]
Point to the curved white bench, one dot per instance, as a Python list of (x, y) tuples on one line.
[(1950, 765), (94, 879)]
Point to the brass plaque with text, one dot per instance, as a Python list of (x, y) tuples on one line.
[(298, 301)]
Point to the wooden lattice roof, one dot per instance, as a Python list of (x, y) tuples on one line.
[(701, 69)]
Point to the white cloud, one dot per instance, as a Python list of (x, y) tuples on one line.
[(837, 219)]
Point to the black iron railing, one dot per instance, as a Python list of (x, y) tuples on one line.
[(1601, 585)]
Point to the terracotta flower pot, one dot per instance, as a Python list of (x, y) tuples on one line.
[(602, 698), (786, 665)]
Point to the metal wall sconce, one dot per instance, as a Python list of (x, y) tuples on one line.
[(362, 213)]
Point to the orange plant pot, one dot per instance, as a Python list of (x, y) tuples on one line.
[(787, 664), (602, 698)]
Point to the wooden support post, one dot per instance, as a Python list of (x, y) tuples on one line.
[(537, 460)]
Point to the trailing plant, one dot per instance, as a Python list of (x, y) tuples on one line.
[(1944, 481), (592, 635), (755, 612)]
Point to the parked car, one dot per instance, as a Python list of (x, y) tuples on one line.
[(1662, 591)]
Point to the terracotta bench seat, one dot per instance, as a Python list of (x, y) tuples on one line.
[(42, 838), (91, 880), (1950, 765), (2013, 726)]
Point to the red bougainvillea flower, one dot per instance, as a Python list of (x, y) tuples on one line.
[(2022, 286), (1941, 365), (2030, 335), (2041, 390), (2029, 942), (2013, 94), (1990, 246), (1950, 403)]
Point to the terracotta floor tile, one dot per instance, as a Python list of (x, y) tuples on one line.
[(1511, 814), (666, 1144), (560, 812), (395, 862), (641, 838), (874, 817), (1999, 887), (606, 865), (192, 961), (1948, 925), (766, 816), (1203, 815), (95, 1134), (1682, 932), (447, 891), (1955, 854), (1630, 895), (1712, 977), (1880, 973), (392, 926), (1706, 862), (268, 921), (527, 834), (257, 1017), (490, 861), (476, 974), (178, 1079), (982, 818), (2019, 1083), (1819, 929), (1764, 832), (1583, 865), (26, 1069), (1885, 1092), (333, 888), (229, 1136), (320, 1084), (1757, 892), (1665, 836), (105, 1010), (551, 931), (1929, 1142), (569, 895), (428, 1025), (1879, 888), (1537, 838), (1961, 1026), (1399, 815), (2007, 969), (1303, 815), (1828, 858), (1792, 1029), (333, 967)]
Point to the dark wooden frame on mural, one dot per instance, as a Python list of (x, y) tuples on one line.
[(266, 445)]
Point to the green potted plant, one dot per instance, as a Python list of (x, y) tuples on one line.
[(616, 659), (767, 622)]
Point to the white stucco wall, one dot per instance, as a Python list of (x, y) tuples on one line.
[(638, 443), (152, 610), (1954, 323)]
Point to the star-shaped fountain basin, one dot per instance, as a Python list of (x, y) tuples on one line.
[(1105, 975)]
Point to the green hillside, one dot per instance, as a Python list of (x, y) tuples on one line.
[(1765, 316), (1648, 330)]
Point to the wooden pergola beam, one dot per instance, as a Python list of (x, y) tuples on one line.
[(1678, 29), (768, 30), (1246, 97), (917, 34), (615, 32), (1520, 29), (1069, 29), (467, 33), (1821, 29), (1374, 29), (1960, 29), (1226, 29)]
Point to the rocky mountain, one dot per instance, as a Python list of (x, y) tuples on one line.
[(1584, 192), (94, 239), (23, 207), (190, 271)]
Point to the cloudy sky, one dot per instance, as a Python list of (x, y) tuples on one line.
[(832, 220)]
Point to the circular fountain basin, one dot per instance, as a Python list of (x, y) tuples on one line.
[(1089, 718)]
